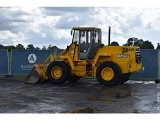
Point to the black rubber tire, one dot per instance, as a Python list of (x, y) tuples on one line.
[(74, 78), (117, 73), (125, 78), (65, 72)]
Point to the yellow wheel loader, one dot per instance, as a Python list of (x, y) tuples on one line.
[(87, 56)]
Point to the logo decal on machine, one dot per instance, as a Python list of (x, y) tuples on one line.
[(123, 56), (125, 50)]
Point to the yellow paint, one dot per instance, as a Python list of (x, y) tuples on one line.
[(107, 74), (124, 56), (56, 72)]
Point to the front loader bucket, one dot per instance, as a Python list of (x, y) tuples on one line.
[(36, 75)]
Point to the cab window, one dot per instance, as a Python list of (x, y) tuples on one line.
[(76, 36)]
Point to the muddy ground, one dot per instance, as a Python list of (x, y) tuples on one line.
[(85, 96)]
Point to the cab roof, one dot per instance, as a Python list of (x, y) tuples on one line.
[(86, 28)]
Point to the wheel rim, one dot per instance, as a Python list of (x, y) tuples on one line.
[(107, 74), (56, 72)]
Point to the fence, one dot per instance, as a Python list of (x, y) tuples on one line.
[(4, 62), (151, 65), (21, 62)]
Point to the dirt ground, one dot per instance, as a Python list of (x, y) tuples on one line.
[(84, 96)]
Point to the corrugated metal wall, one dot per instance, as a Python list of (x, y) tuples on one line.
[(22, 61), (158, 76), (4, 65), (20, 64), (151, 65)]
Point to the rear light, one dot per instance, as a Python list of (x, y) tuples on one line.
[(138, 55)]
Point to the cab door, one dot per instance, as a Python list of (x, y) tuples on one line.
[(85, 43)]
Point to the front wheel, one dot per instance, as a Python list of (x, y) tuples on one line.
[(57, 72), (108, 73)]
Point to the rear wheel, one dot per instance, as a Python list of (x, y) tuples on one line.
[(108, 73), (74, 78), (57, 72)]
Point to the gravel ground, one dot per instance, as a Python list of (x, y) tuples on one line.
[(84, 96)]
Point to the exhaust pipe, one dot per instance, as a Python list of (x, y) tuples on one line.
[(109, 35)]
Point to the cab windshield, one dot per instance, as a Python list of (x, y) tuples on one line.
[(88, 36)]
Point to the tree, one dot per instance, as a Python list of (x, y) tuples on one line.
[(49, 47), (114, 43), (1, 46), (158, 46), (147, 45), (125, 44), (11, 47), (139, 42), (20, 46), (30, 47), (44, 47), (131, 42), (37, 48)]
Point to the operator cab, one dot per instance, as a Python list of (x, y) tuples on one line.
[(88, 39)]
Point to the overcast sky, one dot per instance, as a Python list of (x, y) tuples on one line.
[(42, 26)]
